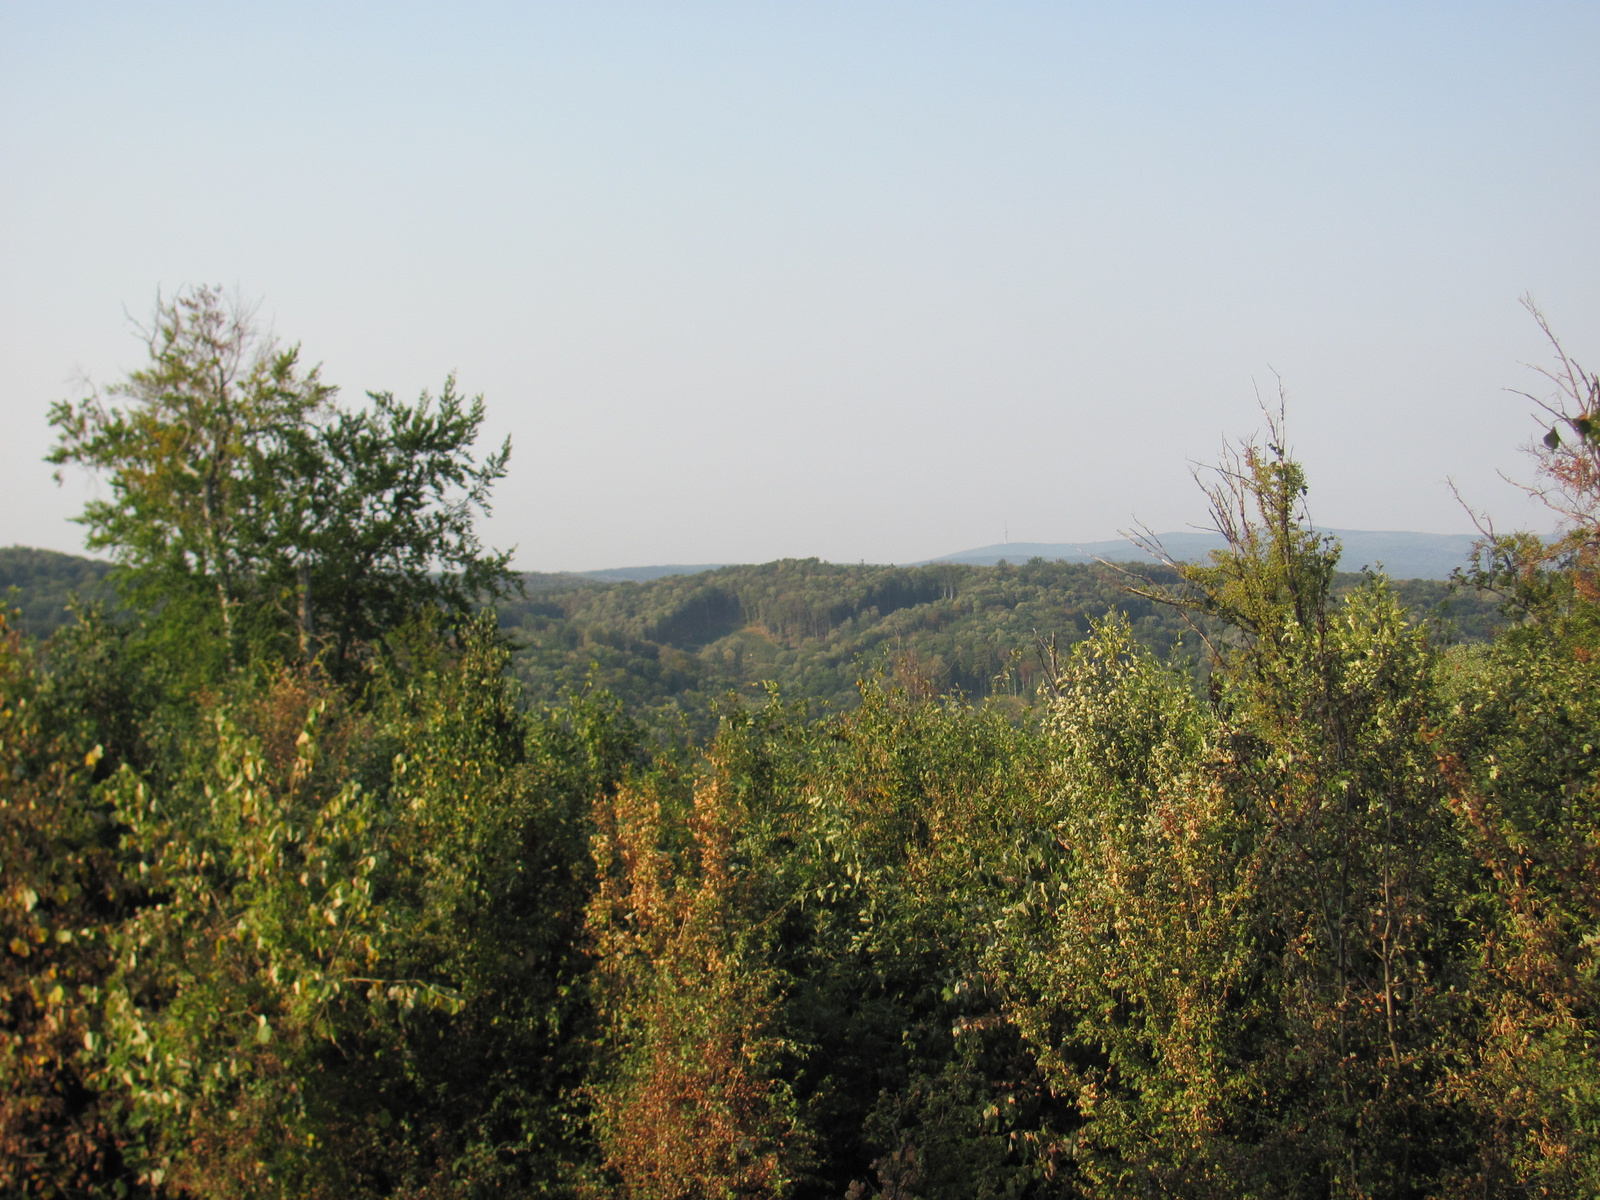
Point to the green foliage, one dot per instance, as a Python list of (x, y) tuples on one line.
[(1047, 907), (248, 509), (381, 524), (1238, 949), (58, 887), (43, 583), (195, 459), (818, 883), (672, 646), (1519, 749), (261, 917), (356, 967), (1164, 944), (913, 1078), (692, 1101), (983, 631)]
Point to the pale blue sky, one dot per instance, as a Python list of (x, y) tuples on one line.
[(859, 280)]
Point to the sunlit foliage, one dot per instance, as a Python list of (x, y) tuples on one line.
[(305, 894)]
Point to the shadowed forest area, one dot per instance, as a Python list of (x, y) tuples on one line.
[(342, 861)]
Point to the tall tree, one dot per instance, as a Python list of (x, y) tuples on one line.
[(379, 520), (243, 496), (1522, 721), (189, 454)]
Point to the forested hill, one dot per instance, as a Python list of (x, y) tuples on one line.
[(815, 628), (683, 641), (41, 583)]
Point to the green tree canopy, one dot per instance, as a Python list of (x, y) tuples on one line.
[(244, 498)]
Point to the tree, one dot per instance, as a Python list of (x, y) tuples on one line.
[(242, 496), (692, 1106), (382, 522), (1522, 720), (1243, 948), (356, 967), (59, 881), (1568, 455), (190, 456)]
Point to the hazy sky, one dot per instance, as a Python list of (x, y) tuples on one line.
[(858, 280)]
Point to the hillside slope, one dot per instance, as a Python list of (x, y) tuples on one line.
[(680, 642), (674, 646), (41, 583)]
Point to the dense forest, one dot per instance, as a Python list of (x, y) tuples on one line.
[(41, 588), (673, 649), (342, 861)]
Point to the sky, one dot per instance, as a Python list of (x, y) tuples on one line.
[(865, 280)]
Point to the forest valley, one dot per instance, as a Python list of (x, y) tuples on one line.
[(341, 861)]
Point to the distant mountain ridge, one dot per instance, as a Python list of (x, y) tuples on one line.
[(1400, 554)]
